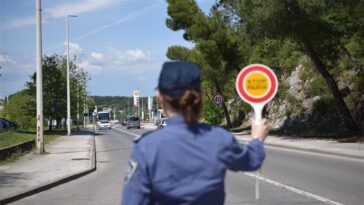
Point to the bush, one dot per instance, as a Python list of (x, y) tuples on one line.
[(213, 114), (19, 109), (317, 87), (325, 105)]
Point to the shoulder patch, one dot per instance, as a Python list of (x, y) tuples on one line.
[(133, 165), (137, 139)]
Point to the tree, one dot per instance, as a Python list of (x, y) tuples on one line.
[(20, 108), (320, 29), (54, 88), (218, 48)]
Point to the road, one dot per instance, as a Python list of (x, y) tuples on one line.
[(289, 177)]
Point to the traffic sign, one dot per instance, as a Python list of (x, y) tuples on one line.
[(257, 85), (218, 99)]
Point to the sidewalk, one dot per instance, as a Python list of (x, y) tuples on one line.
[(331, 147), (67, 158)]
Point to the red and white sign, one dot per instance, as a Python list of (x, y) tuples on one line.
[(257, 85), (218, 99)]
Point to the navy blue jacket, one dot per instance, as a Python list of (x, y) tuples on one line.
[(186, 165)]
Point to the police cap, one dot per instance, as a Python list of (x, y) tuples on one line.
[(177, 77)]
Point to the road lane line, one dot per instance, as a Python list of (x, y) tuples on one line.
[(304, 193), (129, 133), (307, 194)]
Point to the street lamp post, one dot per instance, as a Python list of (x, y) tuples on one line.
[(38, 59), (78, 93), (68, 78)]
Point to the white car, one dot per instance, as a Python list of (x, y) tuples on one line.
[(163, 122), (104, 124)]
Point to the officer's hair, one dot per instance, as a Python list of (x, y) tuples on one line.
[(189, 104)]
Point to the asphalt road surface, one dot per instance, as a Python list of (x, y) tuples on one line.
[(287, 177)]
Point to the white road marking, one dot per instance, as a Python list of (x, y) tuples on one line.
[(301, 192), (129, 133), (304, 193)]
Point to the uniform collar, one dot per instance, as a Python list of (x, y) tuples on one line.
[(176, 120)]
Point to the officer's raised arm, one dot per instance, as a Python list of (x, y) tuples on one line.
[(137, 188), (247, 157)]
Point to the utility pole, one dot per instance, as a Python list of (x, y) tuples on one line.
[(68, 78), (78, 92), (38, 59)]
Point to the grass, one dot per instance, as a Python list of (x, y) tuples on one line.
[(10, 138)]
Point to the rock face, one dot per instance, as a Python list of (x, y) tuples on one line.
[(301, 111), (305, 103), (295, 83)]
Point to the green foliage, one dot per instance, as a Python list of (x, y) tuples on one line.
[(317, 87), (178, 53), (9, 138), (55, 88), (307, 72), (212, 113), (21, 109), (359, 82), (325, 105), (296, 105), (324, 37)]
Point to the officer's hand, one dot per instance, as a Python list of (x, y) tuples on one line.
[(260, 129)]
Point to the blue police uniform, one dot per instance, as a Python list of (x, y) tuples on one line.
[(186, 164)]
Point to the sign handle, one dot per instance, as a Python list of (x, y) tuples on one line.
[(258, 113)]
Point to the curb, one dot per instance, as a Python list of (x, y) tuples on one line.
[(24, 146), (310, 150), (55, 182)]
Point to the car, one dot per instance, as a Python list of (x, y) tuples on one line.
[(7, 124), (4, 124), (133, 121), (124, 122), (163, 122), (104, 124)]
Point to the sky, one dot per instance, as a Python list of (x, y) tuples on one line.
[(120, 43)]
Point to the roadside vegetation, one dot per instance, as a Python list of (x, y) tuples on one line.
[(20, 107), (12, 138), (314, 47)]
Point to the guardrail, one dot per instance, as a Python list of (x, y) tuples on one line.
[(8, 151)]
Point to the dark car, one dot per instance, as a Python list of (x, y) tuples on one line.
[(7, 124), (133, 121)]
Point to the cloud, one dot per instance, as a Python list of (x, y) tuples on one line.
[(62, 10), (91, 68), (128, 56), (97, 56), (6, 59), (74, 49), (130, 61)]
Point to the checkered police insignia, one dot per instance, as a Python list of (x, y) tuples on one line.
[(133, 165)]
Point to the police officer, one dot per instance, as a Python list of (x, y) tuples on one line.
[(185, 162)]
